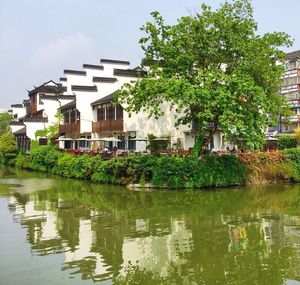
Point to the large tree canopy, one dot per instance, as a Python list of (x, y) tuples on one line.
[(215, 69)]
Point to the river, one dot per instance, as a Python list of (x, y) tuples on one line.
[(59, 231)]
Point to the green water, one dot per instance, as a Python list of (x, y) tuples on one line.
[(56, 231)]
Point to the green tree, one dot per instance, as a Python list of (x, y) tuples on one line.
[(4, 122), (212, 68), (8, 148), (52, 130)]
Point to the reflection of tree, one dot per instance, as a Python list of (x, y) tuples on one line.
[(225, 237), (135, 275), (109, 232)]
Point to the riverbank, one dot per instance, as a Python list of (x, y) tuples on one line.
[(169, 171)]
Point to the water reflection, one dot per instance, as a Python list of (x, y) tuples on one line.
[(226, 237)]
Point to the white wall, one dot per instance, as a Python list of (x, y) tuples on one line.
[(162, 126), (20, 112), (32, 127), (51, 106), (75, 79), (15, 128), (83, 105)]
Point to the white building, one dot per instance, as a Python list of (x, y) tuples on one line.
[(84, 98), (39, 112)]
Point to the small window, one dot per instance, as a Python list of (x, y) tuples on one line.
[(43, 141)]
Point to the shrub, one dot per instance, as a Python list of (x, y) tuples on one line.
[(83, 167), (258, 158), (8, 148), (64, 165), (170, 171), (286, 142), (191, 172), (104, 172), (292, 154)]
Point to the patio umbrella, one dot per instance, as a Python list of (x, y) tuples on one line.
[(111, 139), (161, 139), (64, 139), (83, 139), (271, 139), (139, 139)]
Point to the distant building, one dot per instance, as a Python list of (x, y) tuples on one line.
[(291, 91), (3, 111)]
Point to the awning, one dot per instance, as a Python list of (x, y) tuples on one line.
[(111, 139)]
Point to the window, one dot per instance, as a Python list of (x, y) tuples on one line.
[(101, 114), (66, 118), (131, 144), (43, 141), (110, 113), (72, 117), (292, 65), (121, 145), (119, 112)]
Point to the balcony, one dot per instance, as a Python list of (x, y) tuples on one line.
[(110, 125), (72, 128), (295, 118)]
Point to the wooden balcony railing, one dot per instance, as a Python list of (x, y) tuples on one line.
[(69, 128), (111, 125)]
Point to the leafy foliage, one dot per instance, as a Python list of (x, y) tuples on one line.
[(285, 142), (8, 148), (4, 122), (293, 154), (215, 69), (52, 130), (261, 158), (168, 171)]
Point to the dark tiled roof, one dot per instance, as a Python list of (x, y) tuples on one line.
[(63, 79), (293, 55), (93, 66), (113, 61), (20, 132), (128, 72), (16, 105), (104, 79), (48, 89), (69, 105), (105, 99), (74, 72), (84, 88), (16, 123), (55, 97), (35, 120)]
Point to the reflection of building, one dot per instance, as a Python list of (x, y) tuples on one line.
[(83, 254), (238, 238), (156, 253), (99, 243)]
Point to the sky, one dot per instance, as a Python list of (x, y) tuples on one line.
[(41, 38)]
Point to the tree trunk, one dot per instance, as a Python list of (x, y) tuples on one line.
[(208, 138)]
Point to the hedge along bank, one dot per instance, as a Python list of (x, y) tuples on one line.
[(169, 171)]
